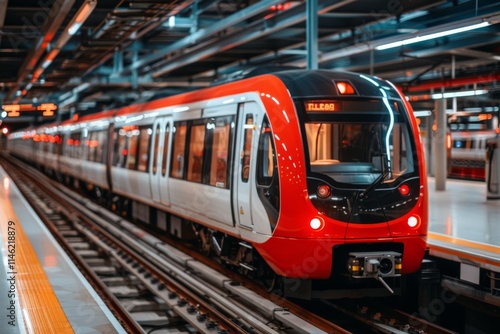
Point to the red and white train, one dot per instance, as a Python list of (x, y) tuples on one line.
[(319, 172), (470, 132)]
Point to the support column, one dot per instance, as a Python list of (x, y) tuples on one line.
[(312, 34), (439, 155), (117, 61), (135, 73)]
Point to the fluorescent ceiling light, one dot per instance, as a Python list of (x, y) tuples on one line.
[(413, 15), (80, 17), (171, 21), (422, 113), (417, 39), (74, 28), (459, 94)]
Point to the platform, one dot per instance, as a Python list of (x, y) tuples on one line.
[(463, 225), (41, 290)]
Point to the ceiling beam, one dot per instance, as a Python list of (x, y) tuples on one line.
[(3, 11), (58, 12), (352, 50), (257, 30), (202, 34)]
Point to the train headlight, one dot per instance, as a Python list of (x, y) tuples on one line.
[(317, 223), (413, 221)]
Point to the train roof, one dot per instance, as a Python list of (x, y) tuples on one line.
[(318, 83), (300, 84)]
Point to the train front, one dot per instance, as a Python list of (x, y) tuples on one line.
[(360, 211)]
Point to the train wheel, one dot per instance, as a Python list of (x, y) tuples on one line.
[(246, 261), (256, 269), (206, 244), (269, 278)]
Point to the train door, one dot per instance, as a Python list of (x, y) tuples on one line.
[(242, 201), (158, 176)]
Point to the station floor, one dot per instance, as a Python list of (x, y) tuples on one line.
[(41, 291), (463, 225)]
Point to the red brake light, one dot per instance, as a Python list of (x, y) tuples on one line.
[(323, 191), (404, 189)]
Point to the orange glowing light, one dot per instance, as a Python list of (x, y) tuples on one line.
[(319, 105), (345, 88)]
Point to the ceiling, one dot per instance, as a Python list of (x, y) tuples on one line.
[(132, 51)]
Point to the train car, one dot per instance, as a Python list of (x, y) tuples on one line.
[(470, 131), (318, 175), (46, 148), (20, 144)]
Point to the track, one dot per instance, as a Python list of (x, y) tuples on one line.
[(146, 283), (151, 285)]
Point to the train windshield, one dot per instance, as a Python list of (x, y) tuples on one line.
[(359, 142)]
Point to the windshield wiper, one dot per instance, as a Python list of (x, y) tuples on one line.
[(375, 184), (386, 170)]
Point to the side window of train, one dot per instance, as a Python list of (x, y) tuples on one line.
[(138, 147), (120, 151), (247, 148), (95, 145), (88, 146), (220, 134), (144, 142), (266, 159), (178, 151), (196, 150), (155, 148), (133, 135), (267, 173), (59, 144), (102, 142), (73, 144), (165, 150)]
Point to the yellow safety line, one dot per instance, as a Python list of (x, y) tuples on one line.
[(465, 243), (41, 310)]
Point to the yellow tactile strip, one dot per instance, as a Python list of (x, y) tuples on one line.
[(41, 310), (465, 244)]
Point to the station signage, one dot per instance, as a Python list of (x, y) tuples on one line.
[(15, 110)]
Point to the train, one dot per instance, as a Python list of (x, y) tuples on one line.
[(305, 175), (470, 132)]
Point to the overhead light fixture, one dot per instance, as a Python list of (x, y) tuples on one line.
[(427, 37), (171, 21), (80, 17), (422, 113), (459, 94), (75, 24), (413, 15)]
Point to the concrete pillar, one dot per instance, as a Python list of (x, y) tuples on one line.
[(439, 145)]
